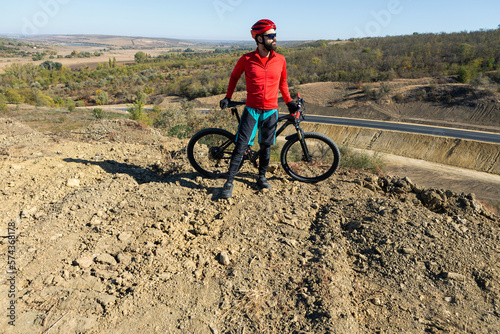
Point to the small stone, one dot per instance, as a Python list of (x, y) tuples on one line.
[(376, 301), (27, 213), (433, 234), (165, 276), (106, 300), (48, 280), (73, 183), (124, 258), (409, 250), (224, 259), (454, 276), (105, 259), (124, 236), (85, 261), (198, 273), (190, 265), (202, 230), (65, 274), (272, 169), (371, 186)]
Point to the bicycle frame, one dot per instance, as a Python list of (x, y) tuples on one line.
[(291, 119)]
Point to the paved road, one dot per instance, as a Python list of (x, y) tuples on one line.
[(403, 127), (406, 127)]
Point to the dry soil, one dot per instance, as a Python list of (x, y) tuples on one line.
[(111, 231)]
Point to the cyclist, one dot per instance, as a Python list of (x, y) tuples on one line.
[(265, 74)]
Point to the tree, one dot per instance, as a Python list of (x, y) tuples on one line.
[(50, 65), (464, 74), (140, 57), (13, 96)]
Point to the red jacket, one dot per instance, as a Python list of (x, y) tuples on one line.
[(263, 77)]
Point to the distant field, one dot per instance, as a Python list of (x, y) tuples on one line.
[(120, 47)]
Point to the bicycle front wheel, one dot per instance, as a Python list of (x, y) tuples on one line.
[(209, 152), (324, 158)]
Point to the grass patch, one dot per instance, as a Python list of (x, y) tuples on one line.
[(352, 159)]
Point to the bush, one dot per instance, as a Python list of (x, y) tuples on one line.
[(3, 102), (70, 104), (137, 112), (140, 57), (50, 65), (180, 131), (98, 113), (42, 100), (13, 96), (102, 98), (351, 159), (464, 75)]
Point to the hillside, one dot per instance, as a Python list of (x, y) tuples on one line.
[(115, 233)]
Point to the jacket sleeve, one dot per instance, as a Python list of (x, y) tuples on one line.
[(284, 85), (235, 76)]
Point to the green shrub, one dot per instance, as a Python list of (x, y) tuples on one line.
[(102, 98), (464, 75), (42, 100), (70, 104), (180, 131), (137, 112), (98, 113), (351, 159), (13, 96), (3, 102)]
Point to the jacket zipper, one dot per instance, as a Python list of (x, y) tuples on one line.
[(265, 81)]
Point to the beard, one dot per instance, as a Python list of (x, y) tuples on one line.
[(270, 45)]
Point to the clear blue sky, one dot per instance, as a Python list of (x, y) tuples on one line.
[(232, 19)]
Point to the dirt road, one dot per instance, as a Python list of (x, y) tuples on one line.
[(486, 186)]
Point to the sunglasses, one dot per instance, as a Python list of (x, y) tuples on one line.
[(271, 36)]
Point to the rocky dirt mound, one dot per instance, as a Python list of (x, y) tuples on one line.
[(115, 233)]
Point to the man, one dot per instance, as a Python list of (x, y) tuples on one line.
[(265, 74)]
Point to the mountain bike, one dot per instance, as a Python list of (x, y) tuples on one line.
[(306, 156)]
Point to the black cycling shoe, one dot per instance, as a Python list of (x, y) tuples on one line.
[(262, 183), (227, 190)]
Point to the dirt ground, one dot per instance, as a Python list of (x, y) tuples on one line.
[(109, 230)]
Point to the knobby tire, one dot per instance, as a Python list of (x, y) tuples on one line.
[(209, 152), (324, 153)]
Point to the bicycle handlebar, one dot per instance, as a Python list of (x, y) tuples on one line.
[(233, 104), (300, 104)]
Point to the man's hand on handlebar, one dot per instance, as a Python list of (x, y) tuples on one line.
[(224, 103), (292, 107)]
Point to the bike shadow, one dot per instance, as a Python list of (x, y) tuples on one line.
[(150, 175), (140, 174)]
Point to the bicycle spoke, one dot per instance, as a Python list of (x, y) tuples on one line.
[(323, 158), (210, 151)]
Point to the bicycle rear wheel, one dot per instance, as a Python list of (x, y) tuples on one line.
[(209, 152), (324, 158)]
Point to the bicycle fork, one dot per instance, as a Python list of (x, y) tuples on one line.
[(300, 134)]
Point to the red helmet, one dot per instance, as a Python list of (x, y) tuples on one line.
[(262, 26)]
